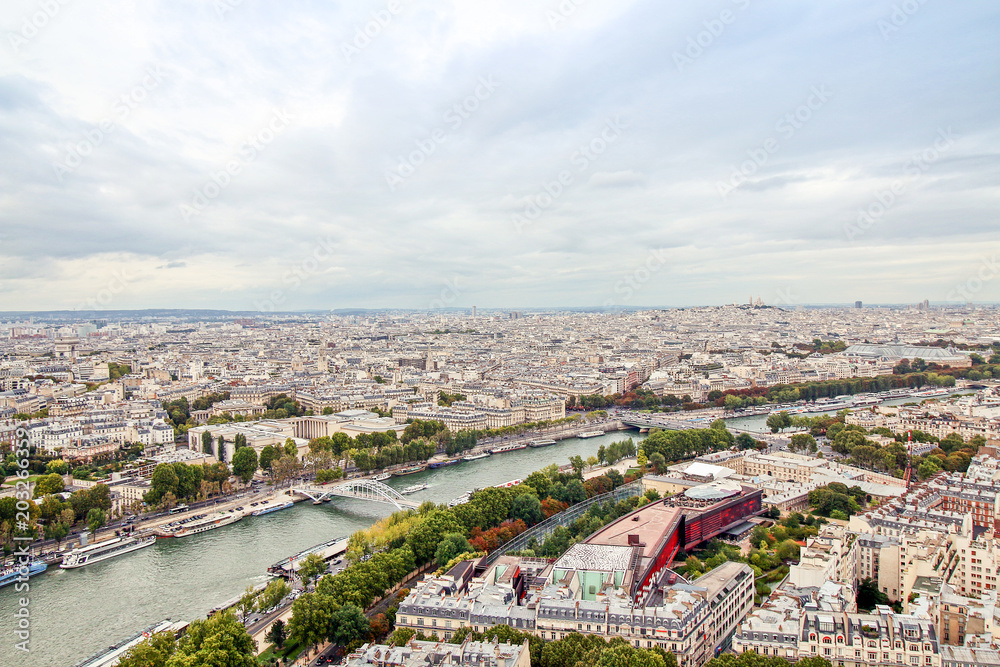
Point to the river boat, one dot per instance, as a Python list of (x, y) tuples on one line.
[(382, 476), (510, 447), (549, 443), (11, 573), (413, 489), (476, 457), (590, 434), (94, 553), (461, 500), (443, 464), (409, 471), (199, 524), (272, 508)]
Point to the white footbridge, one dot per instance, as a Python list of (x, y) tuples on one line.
[(359, 489)]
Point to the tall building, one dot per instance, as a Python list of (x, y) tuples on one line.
[(857, 304)]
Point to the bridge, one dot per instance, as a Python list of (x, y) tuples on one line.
[(359, 489), (677, 425)]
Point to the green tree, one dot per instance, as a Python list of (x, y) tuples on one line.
[(218, 641), (528, 508), (450, 546), (221, 449), (48, 484), (152, 652), (351, 626), (803, 442), (267, 457), (273, 594), (312, 567), (95, 519), (245, 463), (312, 619), (206, 442), (276, 634)]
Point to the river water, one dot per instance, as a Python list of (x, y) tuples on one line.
[(757, 423), (75, 613)]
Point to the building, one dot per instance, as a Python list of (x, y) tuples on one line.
[(423, 654)]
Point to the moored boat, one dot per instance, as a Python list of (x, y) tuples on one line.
[(549, 443), (510, 447), (272, 508), (413, 488), (199, 524), (590, 434), (18, 572), (94, 553), (475, 457), (409, 471)]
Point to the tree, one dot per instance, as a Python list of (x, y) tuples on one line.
[(239, 442), (248, 601), (273, 594), (869, 595), (351, 625), (450, 546), (778, 421), (312, 619), (277, 633), (290, 448), (787, 550), (527, 508), (95, 519), (206, 442), (221, 454), (745, 441), (577, 463), (803, 442), (245, 463), (48, 484), (312, 567), (152, 652), (267, 457), (218, 641)]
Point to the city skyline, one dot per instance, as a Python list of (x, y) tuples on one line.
[(250, 157)]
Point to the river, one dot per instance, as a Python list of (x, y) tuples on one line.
[(757, 423), (75, 613)]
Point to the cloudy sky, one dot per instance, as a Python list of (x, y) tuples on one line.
[(259, 155)]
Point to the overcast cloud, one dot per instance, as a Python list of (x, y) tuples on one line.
[(272, 155)]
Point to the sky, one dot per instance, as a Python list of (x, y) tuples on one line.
[(261, 155)]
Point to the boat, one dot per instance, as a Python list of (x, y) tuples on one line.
[(382, 476), (272, 508), (461, 500), (443, 464), (511, 447), (507, 485), (409, 471), (590, 434), (476, 457), (18, 572), (94, 553), (327, 551), (549, 443), (413, 489), (199, 524), (112, 654)]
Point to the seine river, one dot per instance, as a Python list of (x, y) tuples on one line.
[(75, 613)]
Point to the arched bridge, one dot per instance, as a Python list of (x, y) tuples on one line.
[(359, 489)]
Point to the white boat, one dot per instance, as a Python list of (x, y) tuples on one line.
[(507, 485), (590, 434), (461, 500), (413, 489), (382, 477), (475, 457), (199, 524), (94, 553), (545, 443), (272, 508), (511, 447)]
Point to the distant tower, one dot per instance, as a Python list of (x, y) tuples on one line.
[(473, 311), (857, 304)]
